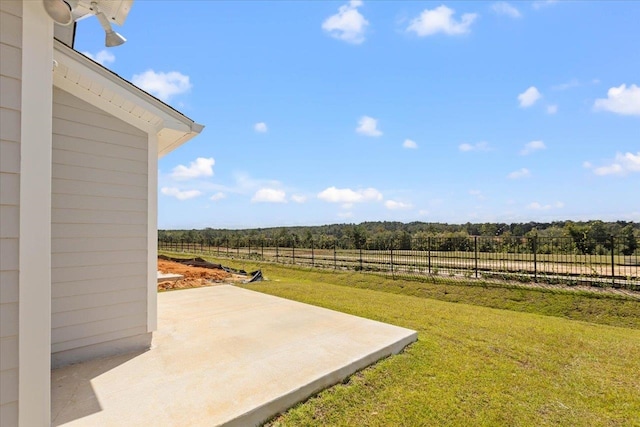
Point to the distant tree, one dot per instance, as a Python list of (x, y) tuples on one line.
[(629, 240), (358, 236), (578, 234)]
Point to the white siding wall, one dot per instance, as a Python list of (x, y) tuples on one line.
[(99, 232), (10, 105)]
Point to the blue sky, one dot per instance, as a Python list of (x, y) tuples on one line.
[(331, 112)]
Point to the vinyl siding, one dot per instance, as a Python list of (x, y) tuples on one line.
[(10, 106), (99, 226)]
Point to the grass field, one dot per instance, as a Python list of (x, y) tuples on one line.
[(525, 362)]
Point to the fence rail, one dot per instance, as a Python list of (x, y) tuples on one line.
[(607, 263)]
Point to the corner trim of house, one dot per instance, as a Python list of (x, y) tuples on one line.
[(152, 233), (34, 330)]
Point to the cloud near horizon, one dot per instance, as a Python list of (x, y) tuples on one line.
[(395, 205), (622, 164), (347, 195), (201, 167), (269, 195)]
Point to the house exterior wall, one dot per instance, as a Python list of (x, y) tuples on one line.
[(99, 233), (10, 125)]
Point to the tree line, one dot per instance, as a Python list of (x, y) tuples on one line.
[(579, 237)]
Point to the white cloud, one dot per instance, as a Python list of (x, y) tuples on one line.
[(587, 165), (348, 24), (345, 214), (162, 85), (543, 3), (368, 126), (269, 195), (218, 196), (199, 168), (532, 146), (529, 97), (298, 198), (623, 164), (180, 194), (621, 100), (540, 207), (423, 212), (395, 205), (408, 143), (480, 146), (440, 20), (504, 8), (347, 195), (260, 127), (103, 57), (520, 173), (552, 109)]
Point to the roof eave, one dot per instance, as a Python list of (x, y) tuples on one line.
[(100, 86)]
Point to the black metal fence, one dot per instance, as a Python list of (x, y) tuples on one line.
[(610, 262)]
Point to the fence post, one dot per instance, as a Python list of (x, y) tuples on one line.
[(227, 246), (262, 249), (475, 249), (535, 259), (391, 259), (429, 252), (313, 260), (335, 260), (181, 245), (613, 262), (360, 258), (277, 254), (293, 246)]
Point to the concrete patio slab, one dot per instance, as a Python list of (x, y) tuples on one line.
[(222, 356)]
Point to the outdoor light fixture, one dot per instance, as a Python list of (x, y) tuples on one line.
[(59, 11), (111, 37), (66, 12)]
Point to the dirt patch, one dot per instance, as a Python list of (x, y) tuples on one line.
[(195, 277), (190, 272)]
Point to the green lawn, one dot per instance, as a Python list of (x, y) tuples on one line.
[(526, 363)]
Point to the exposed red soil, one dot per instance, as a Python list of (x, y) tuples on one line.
[(194, 277)]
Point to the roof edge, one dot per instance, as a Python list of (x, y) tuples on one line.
[(195, 128)]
